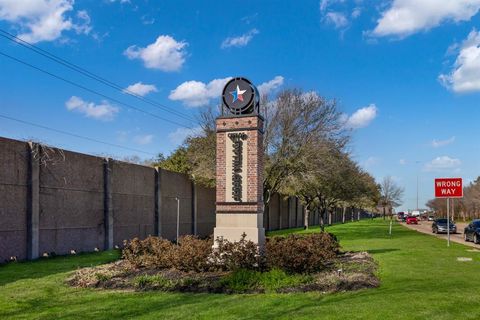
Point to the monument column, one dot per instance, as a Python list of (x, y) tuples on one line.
[(239, 171)]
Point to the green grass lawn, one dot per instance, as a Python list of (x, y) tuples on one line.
[(421, 279)]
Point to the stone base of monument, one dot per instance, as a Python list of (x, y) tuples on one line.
[(231, 227)]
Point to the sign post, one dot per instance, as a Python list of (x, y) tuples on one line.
[(448, 188), (448, 222)]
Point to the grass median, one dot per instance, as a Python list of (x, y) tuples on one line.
[(420, 279)]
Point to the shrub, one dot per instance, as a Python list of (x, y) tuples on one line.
[(301, 253), (102, 277), (192, 254), (276, 279), (151, 252), (145, 281), (294, 253), (241, 280), (243, 254)]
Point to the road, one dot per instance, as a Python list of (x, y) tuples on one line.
[(426, 227)]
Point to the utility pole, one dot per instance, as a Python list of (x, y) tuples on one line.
[(178, 217), (417, 190)]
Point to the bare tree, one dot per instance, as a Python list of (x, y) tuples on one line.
[(297, 124), (391, 194)]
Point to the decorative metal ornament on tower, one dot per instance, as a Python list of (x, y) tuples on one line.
[(240, 97), (239, 164)]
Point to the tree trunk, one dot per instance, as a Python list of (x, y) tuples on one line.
[(322, 219), (305, 218), (383, 212), (343, 214)]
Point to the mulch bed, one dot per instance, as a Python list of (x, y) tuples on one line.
[(351, 271)]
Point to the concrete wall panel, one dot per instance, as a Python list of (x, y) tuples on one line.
[(205, 211), (283, 213), (133, 198), (274, 212), (71, 202), (13, 199), (175, 185), (300, 214)]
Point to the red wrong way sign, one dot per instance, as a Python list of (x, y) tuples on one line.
[(449, 188)]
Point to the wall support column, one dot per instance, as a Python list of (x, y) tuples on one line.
[(33, 201), (107, 204), (194, 209), (158, 202)]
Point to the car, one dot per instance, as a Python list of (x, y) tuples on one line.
[(472, 231), (431, 218), (412, 220), (440, 226)]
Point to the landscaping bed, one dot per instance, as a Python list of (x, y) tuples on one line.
[(145, 267)]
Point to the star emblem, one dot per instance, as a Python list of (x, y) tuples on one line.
[(237, 94)]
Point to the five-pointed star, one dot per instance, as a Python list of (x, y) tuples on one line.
[(237, 94)]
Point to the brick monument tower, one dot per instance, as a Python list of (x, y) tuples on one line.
[(239, 199)]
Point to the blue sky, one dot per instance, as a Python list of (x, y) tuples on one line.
[(406, 73)]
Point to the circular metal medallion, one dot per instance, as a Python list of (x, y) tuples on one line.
[(240, 96)]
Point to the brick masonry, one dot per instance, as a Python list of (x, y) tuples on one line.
[(233, 218), (253, 127)]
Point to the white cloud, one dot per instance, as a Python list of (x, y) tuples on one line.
[(405, 17), (337, 19), (325, 4), (179, 135), (402, 162), (443, 163), (147, 20), (371, 162), (240, 41), (356, 12), (43, 20), (250, 18), (102, 111), (441, 143), (362, 117), (465, 74), (267, 87), (197, 93), (84, 26), (165, 54), (141, 89), (143, 139)]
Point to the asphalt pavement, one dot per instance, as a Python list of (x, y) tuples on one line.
[(426, 227)]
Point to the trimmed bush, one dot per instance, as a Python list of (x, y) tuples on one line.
[(243, 254), (301, 253), (152, 252), (292, 254), (192, 254)]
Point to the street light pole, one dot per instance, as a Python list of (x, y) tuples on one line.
[(417, 190), (178, 217)]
